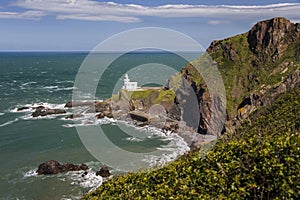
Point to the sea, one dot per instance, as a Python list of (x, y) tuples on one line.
[(31, 79)]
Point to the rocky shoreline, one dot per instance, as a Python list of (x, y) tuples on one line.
[(167, 118)]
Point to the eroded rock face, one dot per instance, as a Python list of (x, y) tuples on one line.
[(262, 98), (269, 36), (104, 172), (54, 167)]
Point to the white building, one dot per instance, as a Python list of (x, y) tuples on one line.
[(129, 85)]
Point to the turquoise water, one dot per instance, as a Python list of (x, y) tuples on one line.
[(48, 79)]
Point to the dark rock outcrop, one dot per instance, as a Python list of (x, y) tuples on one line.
[(104, 172), (42, 111), (23, 108), (54, 167)]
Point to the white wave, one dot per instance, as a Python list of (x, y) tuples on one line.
[(133, 139), (88, 120), (66, 88), (28, 83), (176, 147), (9, 122), (2, 114), (64, 82), (34, 105), (50, 87), (86, 179), (30, 173)]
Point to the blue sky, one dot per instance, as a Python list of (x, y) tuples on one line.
[(76, 25)]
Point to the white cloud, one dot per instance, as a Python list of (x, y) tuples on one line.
[(295, 20), (31, 15), (217, 22), (98, 18), (110, 11)]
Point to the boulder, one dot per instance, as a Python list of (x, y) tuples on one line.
[(104, 172), (54, 167)]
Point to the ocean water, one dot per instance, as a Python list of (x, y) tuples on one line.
[(47, 78)]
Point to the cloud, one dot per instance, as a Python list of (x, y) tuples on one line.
[(29, 15), (110, 11), (99, 18), (295, 20), (217, 22)]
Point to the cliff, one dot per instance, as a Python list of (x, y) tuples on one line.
[(258, 155), (256, 67)]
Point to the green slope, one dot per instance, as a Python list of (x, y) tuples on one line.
[(260, 161)]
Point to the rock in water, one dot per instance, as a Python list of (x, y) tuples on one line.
[(54, 167), (42, 111), (50, 167), (104, 172), (23, 108)]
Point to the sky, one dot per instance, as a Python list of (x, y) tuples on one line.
[(80, 25)]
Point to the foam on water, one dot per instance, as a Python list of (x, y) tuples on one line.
[(2, 114), (176, 145), (85, 179), (89, 180), (30, 173), (64, 82), (9, 122), (133, 139), (29, 83)]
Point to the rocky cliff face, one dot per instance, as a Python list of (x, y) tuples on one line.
[(256, 67), (272, 37)]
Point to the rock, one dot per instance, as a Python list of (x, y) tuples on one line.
[(269, 36), (108, 114), (139, 116), (23, 108), (100, 116), (72, 104), (170, 127), (104, 172), (73, 116), (84, 174), (42, 111), (50, 167), (71, 167), (54, 167)]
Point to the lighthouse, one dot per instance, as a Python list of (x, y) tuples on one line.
[(130, 86)]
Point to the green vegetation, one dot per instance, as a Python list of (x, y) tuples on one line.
[(260, 161), (152, 96)]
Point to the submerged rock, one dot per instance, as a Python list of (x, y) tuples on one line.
[(104, 172), (54, 167)]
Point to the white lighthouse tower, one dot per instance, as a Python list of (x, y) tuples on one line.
[(130, 86)]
